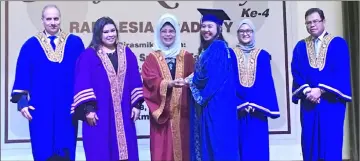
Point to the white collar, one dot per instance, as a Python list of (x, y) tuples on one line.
[(47, 34), (321, 37)]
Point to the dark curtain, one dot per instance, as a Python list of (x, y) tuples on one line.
[(351, 34)]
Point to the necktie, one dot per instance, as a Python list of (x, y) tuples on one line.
[(52, 43), (316, 46)]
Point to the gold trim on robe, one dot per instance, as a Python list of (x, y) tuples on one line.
[(163, 90), (247, 70), (117, 85), (58, 54), (175, 106), (320, 60)]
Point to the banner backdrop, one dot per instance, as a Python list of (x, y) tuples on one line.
[(136, 21)]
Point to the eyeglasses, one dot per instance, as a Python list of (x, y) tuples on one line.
[(315, 22), (245, 31)]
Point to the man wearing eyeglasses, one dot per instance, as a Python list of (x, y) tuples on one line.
[(321, 83)]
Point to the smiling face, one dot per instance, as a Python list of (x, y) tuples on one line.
[(208, 30), (109, 35), (245, 34), (51, 20), (167, 35)]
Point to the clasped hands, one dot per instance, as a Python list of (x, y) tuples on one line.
[(314, 95), (177, 83)]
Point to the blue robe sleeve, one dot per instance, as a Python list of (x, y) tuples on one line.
[(21, 87), (23, 70), (211, 72), (80, 47), (297, 71), (264, 83), (336, 75)]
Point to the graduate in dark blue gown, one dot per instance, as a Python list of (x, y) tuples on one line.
[(321, 83), (213, 115), (45, 74), (257, 95)]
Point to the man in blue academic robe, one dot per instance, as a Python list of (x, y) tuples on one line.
[(321, 83), (45, 74)]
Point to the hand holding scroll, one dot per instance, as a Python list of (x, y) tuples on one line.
[(177, 83), (180, 82)]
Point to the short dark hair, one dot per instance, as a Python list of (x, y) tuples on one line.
[(313, 10), (99, 25)]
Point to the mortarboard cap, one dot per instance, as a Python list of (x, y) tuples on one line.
[(214, 15)]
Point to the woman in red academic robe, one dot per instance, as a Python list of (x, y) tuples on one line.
[(166, 93)]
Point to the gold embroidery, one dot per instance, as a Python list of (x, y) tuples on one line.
[(175, 114), (175, 107), (117, 85), (247, 70), (163, 85), (163, 90), (58, 54), (317, 62)]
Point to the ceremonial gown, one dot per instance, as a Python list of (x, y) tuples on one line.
[(113, 85), (47, 76), (213, 117), (169, 107), (258, 101), (322, 124)]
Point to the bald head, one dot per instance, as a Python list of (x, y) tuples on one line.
[(51, 19)]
